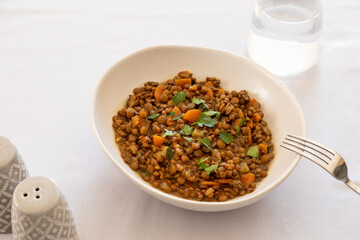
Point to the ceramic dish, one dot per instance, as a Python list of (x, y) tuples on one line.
[(159, 63)]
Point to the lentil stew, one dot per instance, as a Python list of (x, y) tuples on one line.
[(194, 139)]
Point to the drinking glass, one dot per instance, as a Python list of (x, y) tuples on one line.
[(285, 35)]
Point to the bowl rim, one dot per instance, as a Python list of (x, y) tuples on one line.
[(150, 189)]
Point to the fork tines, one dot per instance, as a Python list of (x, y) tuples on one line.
[(307, 148)]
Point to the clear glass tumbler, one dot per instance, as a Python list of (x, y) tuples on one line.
[(285, 35)]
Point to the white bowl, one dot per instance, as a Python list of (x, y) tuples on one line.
[(159, 63)]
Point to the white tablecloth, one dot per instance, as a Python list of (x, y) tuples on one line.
[(52, 53)]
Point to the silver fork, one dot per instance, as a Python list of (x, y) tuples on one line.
[(326, 158)]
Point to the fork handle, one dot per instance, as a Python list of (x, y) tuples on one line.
[(353, 186)]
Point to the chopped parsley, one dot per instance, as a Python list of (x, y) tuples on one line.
[(198, 101), (206, 142), (226, 137), (187, 130), (188, 139), (205, 121), (201, 163), (253, 152), (242, 122), (168, 133), (212, 113), (208, 169), (153, 116), (237, 128), (172, 113), (177, 117), (179, 97)]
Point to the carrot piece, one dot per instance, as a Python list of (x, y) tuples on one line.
[(209, 84), (192, 115), (182, 81), (262, 149), (252, 101), (193, 87), (221, 91), (158, 91), (250, 139), (209, 183), (237, 122), (257, 117), (177, 111), (249, 124), (158, 140), (247, 179), (225, 181), (209, 92)]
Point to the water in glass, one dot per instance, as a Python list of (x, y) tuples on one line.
[(285, 35)]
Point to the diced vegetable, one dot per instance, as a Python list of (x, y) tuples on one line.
[(209, 92), (249, 124), (193, 87), (158, 91), (209, 84), (209, 183), (182, 81), (256, 117), (262, 149), (225, 181), (247, 179), (158, 140), (252, 101), (177, 111), (250, 138), (192, 115)]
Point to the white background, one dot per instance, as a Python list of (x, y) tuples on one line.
[(52, 53)]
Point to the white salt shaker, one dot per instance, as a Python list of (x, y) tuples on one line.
[(41, 212), (12, 171)]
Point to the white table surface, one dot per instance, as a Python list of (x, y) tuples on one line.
[(52, 53)]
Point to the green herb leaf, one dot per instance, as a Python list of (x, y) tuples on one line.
[(187, 130), (188, 139), (212, 113), (198, 101), (237, 128), (169, 153), (206, 142), (253, 152), (177, 117), (208, 170), (201, 163), (226, 137), (242, 122), (168, 133), (153, 116), (179, 97), (205, 120), (172, 113)]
